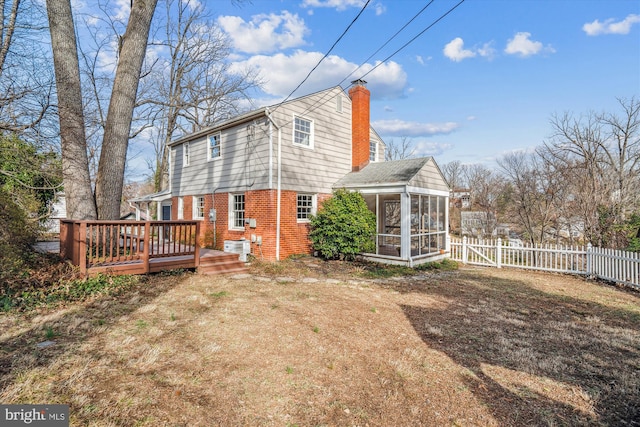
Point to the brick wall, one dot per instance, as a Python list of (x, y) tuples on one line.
[(262, 206)]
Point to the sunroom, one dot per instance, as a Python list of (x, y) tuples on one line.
[(410, 199)]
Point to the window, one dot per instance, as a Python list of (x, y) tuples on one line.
[(306, 206), (198, 207), (339, 103), (373, 151), (186, 154), (303, 132), (180, 208), (236, 211), (214, 150)]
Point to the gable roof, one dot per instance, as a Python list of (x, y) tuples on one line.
[(420, 172), (243, 118)]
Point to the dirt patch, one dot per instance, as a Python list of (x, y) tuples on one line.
[(308, 342)]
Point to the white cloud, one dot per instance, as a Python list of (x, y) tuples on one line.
[(609, 26), (455, 51), (487, 50), (523, 46), (380, 9), (282, 73), (426, 148), (403, 128), (265, 33), (335, 4)]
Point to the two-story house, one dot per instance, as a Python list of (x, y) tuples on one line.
[(260, 176)]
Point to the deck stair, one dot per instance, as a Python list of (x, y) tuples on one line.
[(218, 262)]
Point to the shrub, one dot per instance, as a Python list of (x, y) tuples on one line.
[(343, 227), (16, 234)]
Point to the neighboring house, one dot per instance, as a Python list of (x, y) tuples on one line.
[(261, 175), (478, 224), (58, 212), (461, 198)]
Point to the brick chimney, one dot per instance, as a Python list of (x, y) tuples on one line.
[(360, 125)]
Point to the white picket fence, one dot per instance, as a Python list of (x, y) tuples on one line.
[(608, 264)]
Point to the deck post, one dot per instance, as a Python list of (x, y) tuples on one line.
[(146, 242), (196, 249), (81, 245)]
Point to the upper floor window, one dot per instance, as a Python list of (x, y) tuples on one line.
[(198, 207), (306, 206), (303, 132), (236, 211), (373, 151), (214, 148), (339, 103), (186, 154)]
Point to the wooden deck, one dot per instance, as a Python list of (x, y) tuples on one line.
[(134, 247)]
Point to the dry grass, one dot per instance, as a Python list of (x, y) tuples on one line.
[(313, 343)]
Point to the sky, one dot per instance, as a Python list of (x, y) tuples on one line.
[(479, 82)]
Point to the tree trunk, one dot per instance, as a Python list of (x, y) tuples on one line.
[(75, 167), (111, 167)]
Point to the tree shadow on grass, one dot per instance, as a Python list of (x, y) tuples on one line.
[(69, 327), (535, 358)]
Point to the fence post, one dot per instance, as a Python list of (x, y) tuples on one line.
[(589, 271), (464, 249), (499, 253)]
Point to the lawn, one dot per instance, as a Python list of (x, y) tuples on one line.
[(313, 343)]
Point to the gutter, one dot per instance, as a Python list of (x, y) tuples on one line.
[(272, 122)]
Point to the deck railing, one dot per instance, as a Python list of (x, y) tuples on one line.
[(129, 246)]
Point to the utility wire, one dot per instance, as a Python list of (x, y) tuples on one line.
[(413, 39), (321, 101), (388, 40), (325, 55)]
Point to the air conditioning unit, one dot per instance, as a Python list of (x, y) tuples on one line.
[(240, 247)]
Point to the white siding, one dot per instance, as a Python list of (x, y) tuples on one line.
[(242, 165), (316, 170), (430, 177)]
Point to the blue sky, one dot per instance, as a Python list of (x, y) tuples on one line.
[(483, 81)]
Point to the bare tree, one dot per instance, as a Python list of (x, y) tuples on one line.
[(110, 176), (193, 87), (26, 78), (454, 174), (403, 149), (75, 169), (601, 158), (533, 199)]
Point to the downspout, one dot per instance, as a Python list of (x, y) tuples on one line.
[(279, 181)]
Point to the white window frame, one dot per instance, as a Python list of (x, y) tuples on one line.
[(196, 207), (339, 103), (210, 157), (186, 154), (310, 133), (373, 151), (180, 207), (232, 211), (312, 211)]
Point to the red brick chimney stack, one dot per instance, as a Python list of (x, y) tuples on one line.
[(360, 125)]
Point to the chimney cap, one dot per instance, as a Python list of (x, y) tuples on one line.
[(359, 82)]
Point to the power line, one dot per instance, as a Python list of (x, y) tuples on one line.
[(388, 40), (326, 54), (321, 102), (413, 39)]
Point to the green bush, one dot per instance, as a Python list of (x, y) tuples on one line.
[(343, 227)]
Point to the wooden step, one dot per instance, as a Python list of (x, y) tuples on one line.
[(217, 262)]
